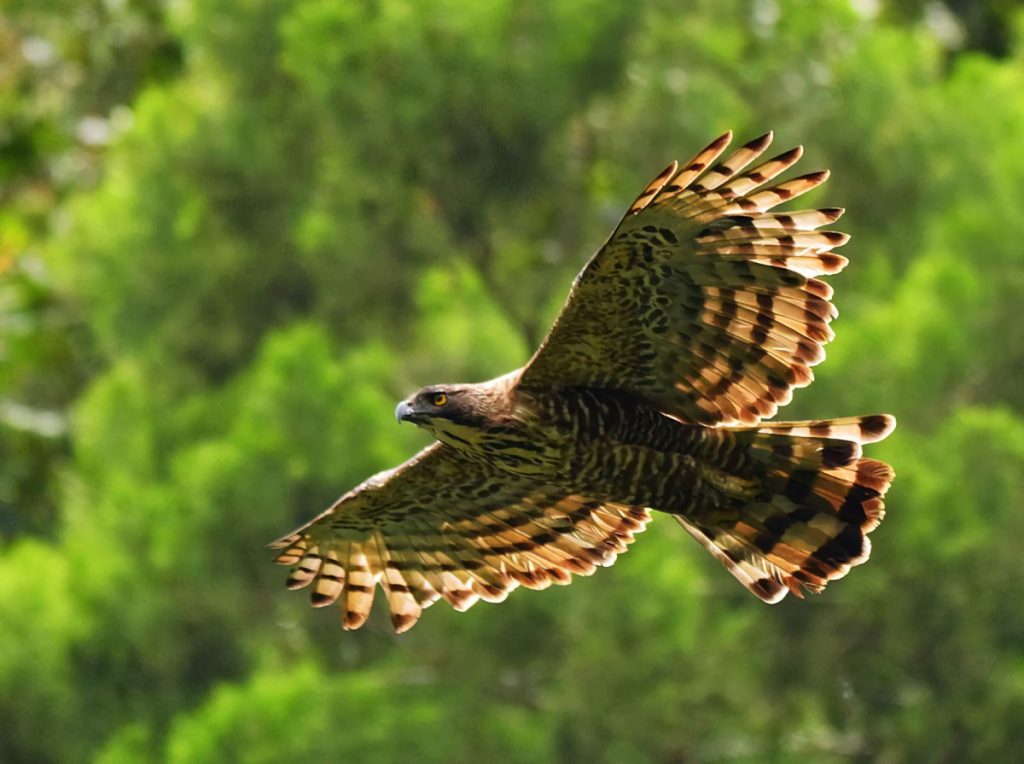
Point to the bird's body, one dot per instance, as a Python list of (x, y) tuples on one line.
[(691, 325), (586, 441)]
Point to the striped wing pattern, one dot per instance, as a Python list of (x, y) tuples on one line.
[(703, 301), (444, 526)]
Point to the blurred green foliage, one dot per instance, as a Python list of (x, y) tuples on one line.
[(234, 233)]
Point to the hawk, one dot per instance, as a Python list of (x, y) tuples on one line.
[(692, 324)]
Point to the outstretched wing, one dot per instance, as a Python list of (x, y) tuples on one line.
[(703, 302), (442, 525)]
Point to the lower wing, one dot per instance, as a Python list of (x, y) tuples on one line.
[(442, 525)]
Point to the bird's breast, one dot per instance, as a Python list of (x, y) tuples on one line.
[(523, 448)]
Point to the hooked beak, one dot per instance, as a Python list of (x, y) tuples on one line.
[(404, 412)]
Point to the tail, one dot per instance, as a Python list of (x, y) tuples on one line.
[(803, 519)]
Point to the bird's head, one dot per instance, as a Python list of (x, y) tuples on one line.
[(452, 413)]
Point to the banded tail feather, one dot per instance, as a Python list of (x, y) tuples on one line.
[(818, 500)]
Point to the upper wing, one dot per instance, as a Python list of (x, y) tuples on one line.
[(442, 525), (702, 302)]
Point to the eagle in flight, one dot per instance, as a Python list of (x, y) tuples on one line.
[(689, 327)]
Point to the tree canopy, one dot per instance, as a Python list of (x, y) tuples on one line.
[(234, 234)]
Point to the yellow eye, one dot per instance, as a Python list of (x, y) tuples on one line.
[(439, 399)]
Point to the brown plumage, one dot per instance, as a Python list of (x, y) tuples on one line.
[(695, 321)]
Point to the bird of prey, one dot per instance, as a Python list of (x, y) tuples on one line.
[(686, 330)]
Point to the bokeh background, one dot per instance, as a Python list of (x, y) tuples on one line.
[(234, 233)]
